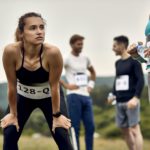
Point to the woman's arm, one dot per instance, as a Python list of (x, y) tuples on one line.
[(55, 70), (9, 64)]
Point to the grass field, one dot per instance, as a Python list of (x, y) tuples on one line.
[(43, 143)]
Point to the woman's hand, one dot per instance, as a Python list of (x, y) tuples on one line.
[(61, 121), (10, 119)]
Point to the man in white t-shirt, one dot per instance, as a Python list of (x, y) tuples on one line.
[(79, 86)]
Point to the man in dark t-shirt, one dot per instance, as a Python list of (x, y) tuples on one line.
[(128, 85)]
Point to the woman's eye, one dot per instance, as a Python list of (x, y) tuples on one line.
[(32, 27), (42, 27)]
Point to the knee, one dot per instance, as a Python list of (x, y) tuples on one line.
[(10, 134), (136, 130), (128, 135), (126, 132)]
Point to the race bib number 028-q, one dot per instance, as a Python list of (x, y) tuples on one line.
[(122, 83), (34, 92)]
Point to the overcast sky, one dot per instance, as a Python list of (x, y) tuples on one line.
[(98, 20)]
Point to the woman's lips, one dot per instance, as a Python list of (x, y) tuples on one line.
[(39, 38)]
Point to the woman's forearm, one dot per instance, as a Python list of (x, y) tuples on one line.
[(55, 98), (12, 98)]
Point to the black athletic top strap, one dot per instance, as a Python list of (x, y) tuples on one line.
[(22, 50), (41, 50)]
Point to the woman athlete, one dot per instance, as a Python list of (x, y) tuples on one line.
[(33, 71)]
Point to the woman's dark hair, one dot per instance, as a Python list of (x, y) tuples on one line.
[(75, 37), (122, 39), (21, 23)]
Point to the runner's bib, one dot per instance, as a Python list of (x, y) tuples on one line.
[(122, 83), (38, 91), (81, 79)]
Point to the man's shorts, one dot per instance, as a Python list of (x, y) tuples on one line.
[(126, 117)]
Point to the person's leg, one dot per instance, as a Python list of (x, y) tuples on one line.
[(11, 136), (88, 121), (75, 113), (133, 120), (137, 136), (61, 135), (123, 123), (129, 138)]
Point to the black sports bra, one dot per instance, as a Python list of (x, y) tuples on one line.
[(28, 77)]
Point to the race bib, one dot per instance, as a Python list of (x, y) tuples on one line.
[(39, 91), (81, 79), (122, 83)]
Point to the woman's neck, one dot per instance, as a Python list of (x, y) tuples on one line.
[(31, 51)]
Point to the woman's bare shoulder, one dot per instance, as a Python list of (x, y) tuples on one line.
[(12, 48), (51, 49)]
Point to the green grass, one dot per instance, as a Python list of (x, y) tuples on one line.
[(43, 143)]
